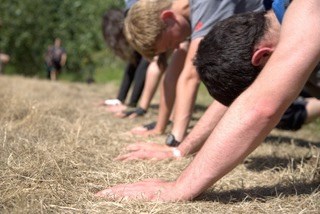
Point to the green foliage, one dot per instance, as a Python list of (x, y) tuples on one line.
[(108, 67), (30, 26)]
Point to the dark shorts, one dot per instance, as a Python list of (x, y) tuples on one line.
[(295, 116), (267, 4), (53, 67), (56, 66)]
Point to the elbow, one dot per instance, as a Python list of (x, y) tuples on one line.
[(266, 112)]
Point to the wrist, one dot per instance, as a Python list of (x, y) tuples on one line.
[(180, 191), (158, 130), (183, 151)]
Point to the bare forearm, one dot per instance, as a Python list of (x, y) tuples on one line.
[(186, 96), (187, 89), (200, 133), (168, 88), (152, 81), (165, 108)]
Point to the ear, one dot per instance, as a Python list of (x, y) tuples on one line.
[(261, 56), (167, 16)]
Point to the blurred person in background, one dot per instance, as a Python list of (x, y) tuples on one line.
[(4, 58), (55, 59), (139, 72)]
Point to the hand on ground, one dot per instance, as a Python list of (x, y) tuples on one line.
[(146, 151), (125, 115), (113, 105), (116, 108), (147, 190), (136, 112), (143, 131)]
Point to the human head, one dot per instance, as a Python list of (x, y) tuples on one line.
[(57, 42), (145, 22), (112, 30), (229, 59)]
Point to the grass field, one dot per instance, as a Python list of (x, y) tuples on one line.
[(57, 150)]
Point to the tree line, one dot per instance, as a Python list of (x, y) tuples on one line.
[(29, 26)]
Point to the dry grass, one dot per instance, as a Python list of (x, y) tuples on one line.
[(57, 149)]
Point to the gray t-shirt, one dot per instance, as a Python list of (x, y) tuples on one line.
[(205, 13)]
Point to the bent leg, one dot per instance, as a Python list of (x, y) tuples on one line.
[(139, 80), (153, 77), (127, 80)]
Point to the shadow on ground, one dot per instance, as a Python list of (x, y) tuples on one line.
[(258, 164), (262, 194), (289, 140)]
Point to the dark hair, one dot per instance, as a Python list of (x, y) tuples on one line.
[(223, 60), (112, 29)]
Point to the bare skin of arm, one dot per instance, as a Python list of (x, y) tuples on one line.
[(63, 59), (251, 117), (200, 133), (154, 74), (187, 89)]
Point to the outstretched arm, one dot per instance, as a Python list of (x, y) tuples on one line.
[(168, 89), (200, 133), (187, 89)]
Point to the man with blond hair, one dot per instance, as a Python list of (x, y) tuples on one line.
[(157, 26)]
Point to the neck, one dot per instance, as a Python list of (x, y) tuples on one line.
[(271, 37), (271, 16)]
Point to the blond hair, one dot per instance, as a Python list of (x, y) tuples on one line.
[(143, 25)]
